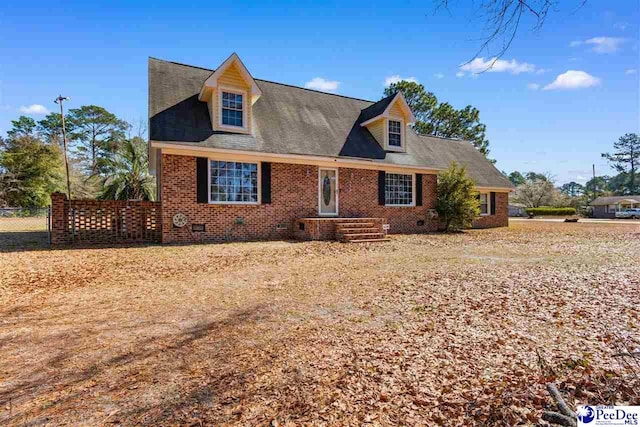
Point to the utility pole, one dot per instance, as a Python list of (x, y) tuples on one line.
[(59, 100), (593, 167)]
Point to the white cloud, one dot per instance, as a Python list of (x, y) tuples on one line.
[(396, 78), (34, 109), (631, 71), (438, 76), (542, 70), (601, 44), (460, 74), (533, 86), (573, 79), (324, 85), (621, 26), (493, 65)]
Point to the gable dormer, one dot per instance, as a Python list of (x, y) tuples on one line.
[(387, 120), (230, 93)]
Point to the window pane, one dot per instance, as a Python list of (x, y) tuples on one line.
[(395, 134), (232, 109), (398, 189), (234, 182)]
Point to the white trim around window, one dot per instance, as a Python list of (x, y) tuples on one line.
[(245, 107), (488, 200), (413, 191), (258, 188), (402, 134)]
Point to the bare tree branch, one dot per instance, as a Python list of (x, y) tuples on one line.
[(503, 19)]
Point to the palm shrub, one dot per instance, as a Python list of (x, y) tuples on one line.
[(457, 202), (126, 172)]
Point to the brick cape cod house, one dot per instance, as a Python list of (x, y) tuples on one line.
[(237, 158)]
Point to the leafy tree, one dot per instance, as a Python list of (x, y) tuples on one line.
[(31, 170), (534, 193), (626, 159), (535, 176), (95, 132), (457, 203), (127, 175), (50, 128), (516, 178), (441, 119), (572, 189), (24, 126), (597, 187)]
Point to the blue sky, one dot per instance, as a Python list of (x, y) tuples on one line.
[(98, 54)]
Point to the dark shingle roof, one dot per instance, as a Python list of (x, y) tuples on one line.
[(294, 120), (612, 200), (376, 109)]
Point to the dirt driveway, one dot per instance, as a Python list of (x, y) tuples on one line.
[(423, 330)]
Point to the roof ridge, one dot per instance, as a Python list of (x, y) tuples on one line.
[(270, 81)]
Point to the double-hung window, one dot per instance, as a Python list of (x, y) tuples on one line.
[(232, 109), (395, 133), (484, 204), (233, 182), (398, 189)]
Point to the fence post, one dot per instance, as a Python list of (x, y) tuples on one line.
[(49, 223), (59, 230)]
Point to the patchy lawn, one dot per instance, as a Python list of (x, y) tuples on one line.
[(423, 330)]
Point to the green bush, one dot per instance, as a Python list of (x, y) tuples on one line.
[(456, 204), (545, 210)]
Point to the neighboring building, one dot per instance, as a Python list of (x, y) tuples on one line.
[(238, 158), (517, 209), (606, 207)]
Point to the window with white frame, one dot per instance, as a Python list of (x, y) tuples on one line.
[(233, 182), (484, 204), (232, 109), (395, 133), (398, 189)]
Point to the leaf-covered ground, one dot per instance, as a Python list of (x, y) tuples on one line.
[(461, 329)]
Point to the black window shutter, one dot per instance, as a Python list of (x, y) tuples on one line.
[(493, 203), (265, 191), (418, 189), (381, 179), (202, 179)]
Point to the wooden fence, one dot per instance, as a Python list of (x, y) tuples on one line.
[(104, 221)]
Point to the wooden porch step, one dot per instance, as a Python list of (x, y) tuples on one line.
[(360, 230), (370, 240), (363, 235), (354, 224)]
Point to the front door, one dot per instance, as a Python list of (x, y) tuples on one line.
[(328, 192)]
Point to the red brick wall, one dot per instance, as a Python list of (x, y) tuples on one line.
[(294, 195), (359, 197), (103, 221), (500, 219)]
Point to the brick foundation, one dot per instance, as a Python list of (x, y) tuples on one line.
[(294, 195)]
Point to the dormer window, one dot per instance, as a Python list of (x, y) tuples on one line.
[(230, 93), (232, 105), (395, 134)]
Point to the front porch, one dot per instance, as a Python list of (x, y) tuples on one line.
[(353, 230)]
